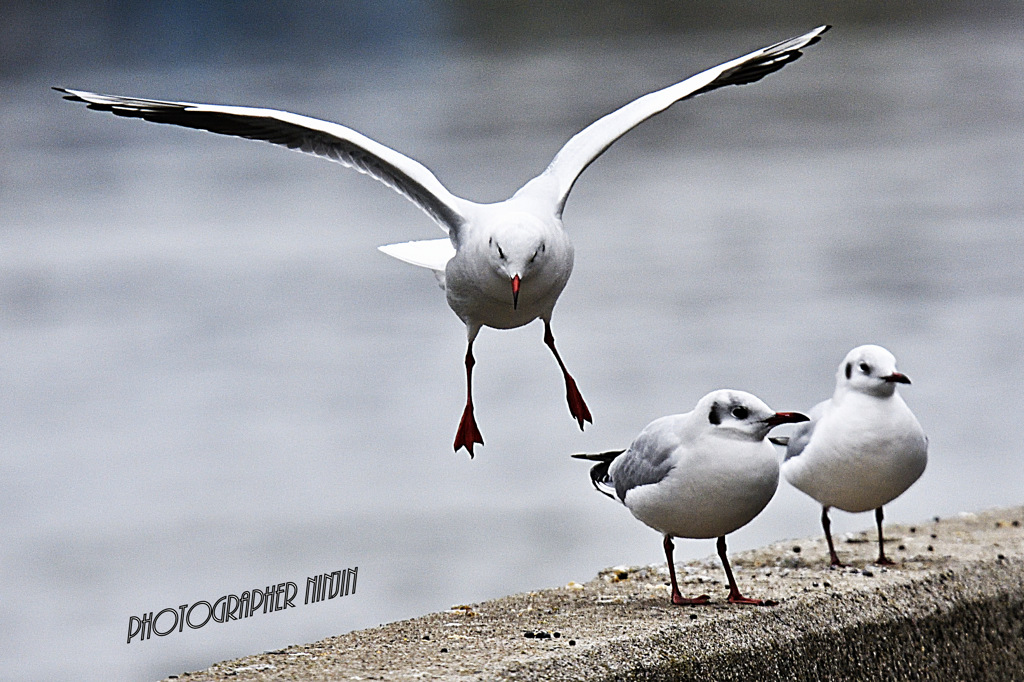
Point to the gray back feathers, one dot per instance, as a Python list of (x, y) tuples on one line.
[(644, 463)]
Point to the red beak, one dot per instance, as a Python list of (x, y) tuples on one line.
[(786, 418), (515, 292), (898, 378)]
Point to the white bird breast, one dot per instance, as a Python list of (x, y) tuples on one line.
[(857, 465), (479, 293), (710, 492)]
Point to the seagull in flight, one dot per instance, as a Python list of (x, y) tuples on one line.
[(702, 474), (862, 448), (502, 264)]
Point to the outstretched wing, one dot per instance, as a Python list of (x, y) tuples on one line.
[(302, 133), (584, 147)]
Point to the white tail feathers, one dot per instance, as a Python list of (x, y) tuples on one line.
[(430, 253)]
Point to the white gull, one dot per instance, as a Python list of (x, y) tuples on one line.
[(702, 474), (863, 447), (503, 264)]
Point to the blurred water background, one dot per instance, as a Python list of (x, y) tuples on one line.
[(213, 382)]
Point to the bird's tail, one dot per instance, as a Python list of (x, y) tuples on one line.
[(779, 440), (599, 472), (429, 253)]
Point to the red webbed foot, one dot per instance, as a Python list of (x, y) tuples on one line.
[(468, 434), (691, 601), (577, 407), (740, 599)]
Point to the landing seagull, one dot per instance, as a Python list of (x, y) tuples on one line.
[(702, 474), (863, 447), (502, 265)]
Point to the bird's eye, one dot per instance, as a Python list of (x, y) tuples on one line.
[(501, 254), (865, 367), (740, 412)]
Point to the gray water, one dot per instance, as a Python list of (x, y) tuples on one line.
[(213, 382)]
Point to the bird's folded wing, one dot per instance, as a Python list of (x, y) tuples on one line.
[(580, 151), (801, 435), (302, 133), (799, 440), (646, 462)]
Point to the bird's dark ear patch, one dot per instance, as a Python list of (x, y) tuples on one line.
[(849, 369), (713, 415)]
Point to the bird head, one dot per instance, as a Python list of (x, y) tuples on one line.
[(515, 253), (737, 414), (871, 370)]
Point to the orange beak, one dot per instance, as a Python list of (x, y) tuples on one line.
[(515, 292)]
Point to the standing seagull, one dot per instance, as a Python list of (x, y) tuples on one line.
[(863, 447), (702, 474), (502, 265)]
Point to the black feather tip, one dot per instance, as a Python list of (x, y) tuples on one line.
[(599, 472)]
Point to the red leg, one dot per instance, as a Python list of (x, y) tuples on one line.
[(734, 592), (678, 598), (468, 433), (577, 407), (882, 559), (827, 525)]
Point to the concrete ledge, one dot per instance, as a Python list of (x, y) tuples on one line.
[(952, 609)]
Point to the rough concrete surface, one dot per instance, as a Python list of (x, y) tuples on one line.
[(951, 609)]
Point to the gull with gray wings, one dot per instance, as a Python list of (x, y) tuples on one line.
[(862, 448), (702, 474), (503, 264)]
